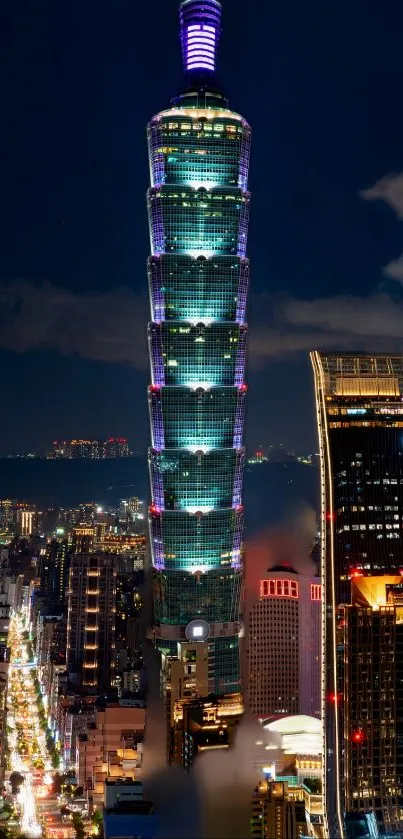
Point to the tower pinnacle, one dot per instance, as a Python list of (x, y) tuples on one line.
[(200, 33)]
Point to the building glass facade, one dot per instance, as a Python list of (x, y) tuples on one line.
[(198, 208), (360, 421), (373, 724)]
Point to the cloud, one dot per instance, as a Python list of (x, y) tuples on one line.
[(345, 322), (394, 269), (111, 326), (103, 326), (388, 189)]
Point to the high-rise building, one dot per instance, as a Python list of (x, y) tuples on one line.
[(26, 520), (198, 207), (82, 539), (282, 641), (91, 620), (53, 570), (278, 811), (4, 668), (360, 420), (184, 676), (373, 700), (112, 747), (201, 725), (7, 514), (131, 512)]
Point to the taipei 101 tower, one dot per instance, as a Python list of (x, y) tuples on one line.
[(198, 207)]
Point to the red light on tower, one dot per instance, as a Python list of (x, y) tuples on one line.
[(358, 736)]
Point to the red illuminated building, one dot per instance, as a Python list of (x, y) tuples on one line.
[(281, 658)]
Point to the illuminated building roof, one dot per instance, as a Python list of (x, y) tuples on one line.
[(300, 734), (372, 591), (355, 374)]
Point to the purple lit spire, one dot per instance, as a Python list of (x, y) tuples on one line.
[(200, 33)]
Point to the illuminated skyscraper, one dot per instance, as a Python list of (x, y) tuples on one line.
[(373, 692), (53, 570), (198, 207), (91, 621), (360, 420), (282, 617)]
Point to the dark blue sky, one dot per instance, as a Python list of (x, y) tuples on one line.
[(321, 85)]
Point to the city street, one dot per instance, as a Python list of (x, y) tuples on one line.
[(29, 755)]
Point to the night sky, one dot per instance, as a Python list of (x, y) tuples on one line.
[(321, 84)]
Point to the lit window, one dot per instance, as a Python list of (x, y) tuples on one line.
[(279, 588), (316, 591)]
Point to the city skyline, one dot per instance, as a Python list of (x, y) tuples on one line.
[(75, 267), (270, 640)]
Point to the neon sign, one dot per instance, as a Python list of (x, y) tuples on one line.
[(279, 588), (316, 591)]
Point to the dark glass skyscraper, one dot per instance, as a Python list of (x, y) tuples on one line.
[(360, 420), (198, 207)]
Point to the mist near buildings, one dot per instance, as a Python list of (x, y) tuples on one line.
[(214, 799)]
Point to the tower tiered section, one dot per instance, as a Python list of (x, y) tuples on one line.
[(198, 206)]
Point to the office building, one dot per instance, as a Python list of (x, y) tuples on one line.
[(184, 676), (283, 646), (53, 570), (91, 621), (26, 520), (50, 646), (131, 545), (373, 696), (110, 747), (131, 511), (7, 515), (5, 609), (278, 811), (281, 649), (82, 539), (360, 421), (201, 725), (198, 207)]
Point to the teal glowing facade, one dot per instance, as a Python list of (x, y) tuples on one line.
[(198, 207)]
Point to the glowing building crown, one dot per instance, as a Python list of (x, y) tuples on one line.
[(200, 33)]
